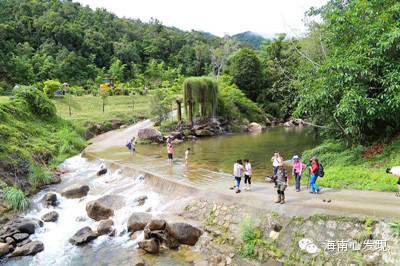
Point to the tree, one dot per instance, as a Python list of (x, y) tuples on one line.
[(219, 56), (355, 86), (247, 73), (117, 70), (160, 104), (51, 86), (200, 96), (104, 96)]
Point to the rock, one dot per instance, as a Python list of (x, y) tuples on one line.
[(104, 207), (274, 235), (112, 232), (273, 223), (20, 236), (116, 123), (176, 135), (99, 129), (150, 245), (138, 221), (80, 219), (24, 242), (25, 226), (123, 126), (136, 260), (288, 124), (267, 122), (203, 132), (55, 179), (184, 233), (140, 200), (136, 235), (150, 134), (169, 241), (7, 231), (176, 141), (10, 240), (74, 191), (255, 127), (82, 236), (50, 217), (244, 128), (105, 227), (102, 172), (28, 249), (4, 249), (4, 220), (157, 225)]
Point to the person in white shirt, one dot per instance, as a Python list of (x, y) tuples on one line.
[(395, 171), (247, 174), (276, 161), (237, 173)]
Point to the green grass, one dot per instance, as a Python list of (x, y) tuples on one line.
[(346, 168), (16, 198), (89, 109)]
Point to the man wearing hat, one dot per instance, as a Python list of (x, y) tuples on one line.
[(282, 181), (395, 171)]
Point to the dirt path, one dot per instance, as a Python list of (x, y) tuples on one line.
[(111, 146)]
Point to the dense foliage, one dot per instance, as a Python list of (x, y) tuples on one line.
[(251, 38)]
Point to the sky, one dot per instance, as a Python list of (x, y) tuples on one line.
[(219, 17)]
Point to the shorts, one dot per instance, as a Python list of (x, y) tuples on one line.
[(186, 158), (170, 156), (129, 146), (238, 179), (133, 149), (247, 178)]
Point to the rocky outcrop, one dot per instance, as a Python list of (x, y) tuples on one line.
[(184, 233), (29, 249), (104, 207), (105, 227), (50, 217), (83, 236), (74, 191), (150, 134), (138, 221), (150, 245)]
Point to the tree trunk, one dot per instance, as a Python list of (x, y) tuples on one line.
[(69, 105), (190, 113), (103, 106), (133, 101), (179, 111)]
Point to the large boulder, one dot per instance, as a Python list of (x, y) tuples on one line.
[(4, 249), (203, 132), (150, 245), (20, 237), (175, 135), (150, 134), (74, 191), (104, 207), (25, 226), (50, 217), (28, 249), (138, 221), (168, 241), (288, 124), (105, 227), (184, 233), (83, 236), (255, 127), (267, 121)]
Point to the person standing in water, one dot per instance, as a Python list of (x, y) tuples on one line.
[(170, 152), (131, 144), (282, 180), (237, 173), (187, 156), (276, 160), (247, 174), (314, 175), (297, 170)]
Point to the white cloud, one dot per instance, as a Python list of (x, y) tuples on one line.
[(216, 16)]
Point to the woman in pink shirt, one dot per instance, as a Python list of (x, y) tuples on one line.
[(170, 151), (297, 170)]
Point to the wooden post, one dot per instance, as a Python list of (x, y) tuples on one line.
[(179, 110)]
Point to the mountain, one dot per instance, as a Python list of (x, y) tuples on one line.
[(250, 37)]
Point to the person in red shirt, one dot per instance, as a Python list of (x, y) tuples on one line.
[(314, 176)]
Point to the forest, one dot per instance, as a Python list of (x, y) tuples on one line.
[(341, 74)]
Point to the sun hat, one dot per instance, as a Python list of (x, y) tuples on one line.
[(281, 164), (313, 159), (295, 157)]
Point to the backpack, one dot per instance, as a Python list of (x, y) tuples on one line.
[(320, 171)]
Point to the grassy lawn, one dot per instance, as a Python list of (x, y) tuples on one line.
[(89, 108)]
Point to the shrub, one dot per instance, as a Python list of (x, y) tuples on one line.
[(38, 176), (16, 198), (51, 86), (108, 126), (37, 101)]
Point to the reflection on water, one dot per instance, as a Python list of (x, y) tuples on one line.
[(218, 154)]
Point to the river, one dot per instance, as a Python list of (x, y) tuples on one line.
[(167, 188)]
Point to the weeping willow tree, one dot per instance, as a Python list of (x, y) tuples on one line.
[(200, 96)]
